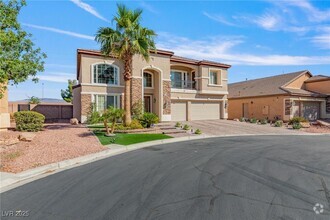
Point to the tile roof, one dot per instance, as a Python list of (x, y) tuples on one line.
[(263, 86)]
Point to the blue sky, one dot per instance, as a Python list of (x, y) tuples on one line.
[(258, 38)]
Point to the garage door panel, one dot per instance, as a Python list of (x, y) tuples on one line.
[(311, 110), (179, 111), (205, 110)]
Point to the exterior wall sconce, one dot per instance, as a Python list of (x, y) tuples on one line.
[(155, 100)]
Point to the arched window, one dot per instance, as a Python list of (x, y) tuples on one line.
[(147, 79), (106, 74)]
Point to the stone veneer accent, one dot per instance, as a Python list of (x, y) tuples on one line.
[(86, 101), (136, 90), (166, 97)]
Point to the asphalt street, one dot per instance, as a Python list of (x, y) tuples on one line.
[(251, 177)]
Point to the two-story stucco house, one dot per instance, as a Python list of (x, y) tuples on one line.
[(175, 88)]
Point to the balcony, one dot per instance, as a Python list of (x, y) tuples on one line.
[(183, 84)]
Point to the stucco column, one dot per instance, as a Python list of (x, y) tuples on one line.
[(136, 90), (166, 101), (188, 111), (224, 109), (4, 115)]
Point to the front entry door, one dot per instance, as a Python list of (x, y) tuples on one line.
[(245, 110), (147, 104)]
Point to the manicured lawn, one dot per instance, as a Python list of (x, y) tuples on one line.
[(127, 139)]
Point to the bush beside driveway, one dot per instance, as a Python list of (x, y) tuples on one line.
[(55, 143)]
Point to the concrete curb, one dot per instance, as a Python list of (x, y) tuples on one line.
[(9, 179)]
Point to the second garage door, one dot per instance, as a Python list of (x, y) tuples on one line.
[(205, 110)]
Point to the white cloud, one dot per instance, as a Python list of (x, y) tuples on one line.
[(267, 21), (314, 14), (70, 33), (60, 77), (220, 49), (323, 39), (89, 9), (148, 7), (218, 18)]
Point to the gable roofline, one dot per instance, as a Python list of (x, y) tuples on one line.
[(173, 58), (295, 78)]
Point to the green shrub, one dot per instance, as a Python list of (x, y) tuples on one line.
[(198, 131), (186, 127), (121, 127), (296, 120), (135, 124), (29, 121), (253, 120), (242, 119), (178, 124), (279, 123), (94, 118), (296, 126), (137, 110), (263, 121), (148, 119)]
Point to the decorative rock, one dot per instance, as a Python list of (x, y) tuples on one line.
[(305, 124), (235, 119), (26, 136), (74, 121)]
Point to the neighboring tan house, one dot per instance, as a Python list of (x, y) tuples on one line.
[(4, 115), (281, 97), (54, 110), (175, 88)]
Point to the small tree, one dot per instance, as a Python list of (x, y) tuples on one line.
[(19, 58), (67, 93), (34, 100), (112, 115)]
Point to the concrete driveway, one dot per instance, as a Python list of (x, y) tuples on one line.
[(252, 177), (229, 127)]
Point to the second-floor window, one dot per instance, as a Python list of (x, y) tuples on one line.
[(106, 74), (214, 77), (181, 80)]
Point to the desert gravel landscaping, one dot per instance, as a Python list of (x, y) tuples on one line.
[(55, 143)]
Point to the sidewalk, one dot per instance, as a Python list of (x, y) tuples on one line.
[(10, 180)]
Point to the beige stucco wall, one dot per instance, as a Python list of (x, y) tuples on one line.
[(204, 85), (319, 86), (299, 82), (274, 103), (4, 115), (87, 61)]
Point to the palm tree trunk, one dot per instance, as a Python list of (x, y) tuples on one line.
[(105, 122), (113, 126), (127, 94)]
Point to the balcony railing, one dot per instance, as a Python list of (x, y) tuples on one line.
[(181, 84)]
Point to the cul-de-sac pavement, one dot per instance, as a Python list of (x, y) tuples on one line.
[(248, 177)]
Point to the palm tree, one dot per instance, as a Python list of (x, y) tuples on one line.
[(113, 115), (128, 39)]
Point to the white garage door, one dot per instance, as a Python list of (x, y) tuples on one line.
[(205, 110), (179, 111)]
